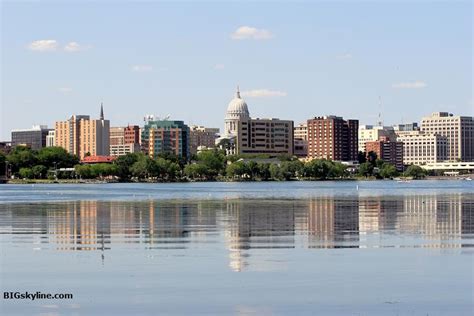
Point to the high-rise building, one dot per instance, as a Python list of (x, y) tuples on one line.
[(459, 132), (370, 133), (124, 140), (202, 137), (162, 136), (387, 150), (300, 140), (245, 135), (51, 138), (332, 137), (34, 137), (80, 135), (420, 148)]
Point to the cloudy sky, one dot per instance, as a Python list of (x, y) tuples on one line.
[(292, 61)]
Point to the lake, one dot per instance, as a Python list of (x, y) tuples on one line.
[(256, 248)]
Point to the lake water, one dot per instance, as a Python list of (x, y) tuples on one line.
[(277, 248)]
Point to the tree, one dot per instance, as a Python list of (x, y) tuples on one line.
[(3, 166), (56, 157), (196, 171), (26, 173), (263, 171), (39, 171), (276, 172), (237, 169), (213, 160), (144, 168), (21, 157), (366, 169), (361, 157), (84, 171), (372, 157), (388, 171), (415, 171), (124, 164)]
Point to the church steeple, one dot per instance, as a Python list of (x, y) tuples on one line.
[(101, 111), (237, 94)]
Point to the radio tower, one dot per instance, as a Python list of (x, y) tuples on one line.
[(380, 122)]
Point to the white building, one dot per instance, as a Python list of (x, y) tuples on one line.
[(370, 133), (459, 131), (421, 148), (50, 138)]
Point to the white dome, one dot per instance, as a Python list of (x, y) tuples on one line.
[(237, 108)]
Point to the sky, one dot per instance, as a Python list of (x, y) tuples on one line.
[(403, 59)]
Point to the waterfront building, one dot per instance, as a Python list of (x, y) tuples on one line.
[(246, 135), (34, 138), (80, 135), (387, 150), (5, 147), (371, 133), (332, 137), (202, 137), (300, 142), (51, 138), (421, 148), (124, 140), (458, 130), (163, 136)]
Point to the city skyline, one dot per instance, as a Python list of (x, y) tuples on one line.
[(321, 61)]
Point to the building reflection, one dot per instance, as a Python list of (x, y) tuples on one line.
[(251, 229)]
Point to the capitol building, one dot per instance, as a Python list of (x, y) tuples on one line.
[(246, 135)]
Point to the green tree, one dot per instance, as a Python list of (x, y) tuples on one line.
[(263, 171), (39, 171), (124, 164), (26, 173), (213, 160), (237, 169), (21, 157), (388, 171), (84, 171), (144, 168), (3, 159), (56, 157), (415, 171), (276, 172), (372, 157), (366, 169), (361, 157), (196, 171)]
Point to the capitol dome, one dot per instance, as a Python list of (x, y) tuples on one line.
[(237, 108)]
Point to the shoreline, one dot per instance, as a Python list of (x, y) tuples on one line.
[(77, 181)]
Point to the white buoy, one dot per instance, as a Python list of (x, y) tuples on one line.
[(357, 187)]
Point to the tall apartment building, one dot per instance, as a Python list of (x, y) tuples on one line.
[(165, 136), (124, 140), (200, 136), (300, 141), (80, 135), (333, 138), (265, 136), (388, 150), (34, 137), (371, 133), (459, 132), (420, 148)]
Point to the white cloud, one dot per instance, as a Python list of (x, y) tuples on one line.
[(142, 68), (344, 56), (410, 85), (73, 47), (263, 93), (219, 66), (247, 32), (43, 45), (65, 90)]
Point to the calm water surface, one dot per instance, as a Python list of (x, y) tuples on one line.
[(298, 248)]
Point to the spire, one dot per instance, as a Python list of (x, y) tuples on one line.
[(101, 111), (237, 94)]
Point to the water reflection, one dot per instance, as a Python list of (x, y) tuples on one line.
[(240, 226)]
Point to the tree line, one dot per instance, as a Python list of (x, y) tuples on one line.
[(208, 165)]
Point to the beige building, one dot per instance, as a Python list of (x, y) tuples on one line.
[(265, 136), (124, 140), (370, 133), (459, 132), (300, 140), (420, 148), (202, 137), (80, 135)]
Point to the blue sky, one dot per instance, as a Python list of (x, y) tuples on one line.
[(292, 61)]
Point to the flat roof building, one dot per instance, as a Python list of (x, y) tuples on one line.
[(34, 138)]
